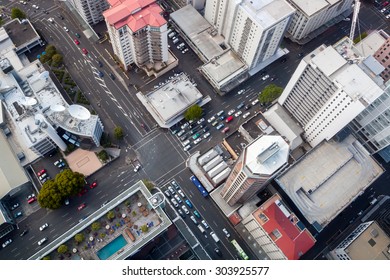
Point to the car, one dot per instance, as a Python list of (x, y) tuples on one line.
[(167, 193), (226, 129), (51, 20), (76, 34), (175, 184), (300, 54), (227, 234), (82, 192), (205, 129), (210, 120), (35, 7), (171, 190), (384, 9), (137, 167), (41, 172), (85, 51), (247, 106), (246, 115), (174, 38), (220, 126), (222, 117), (265, 77), (178, 199), (214, 123), (43, 176), (93, 185), (174, 202), (184, 137), (205, 224), (6, 243), (66, 29), (273, 78), (31, 200), (112, 76), (13, 207), (24, 232), (100, 74), (192, 131), (46, 12), (196, 213), (185, 125), (184, 51), (100, 63), (43, 240), (197, 141), (181, 193), (30, 196), (218, 252), (239, 106), (181, 132), (241, 91), (81, 206), (238, 114), (185, 209), (220, 113), (43, 227), (66, 201), (77, 42), (186, 148), (23, 2), (58, 162), (254, 102), (206, 135), (189, 203), (45, 179), (196, 136), (181, 213), (194, 220), (229, 119), (231, 112), (202, 120), (19, 214)]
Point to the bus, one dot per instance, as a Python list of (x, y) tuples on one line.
[(199, 186), (239, 250)]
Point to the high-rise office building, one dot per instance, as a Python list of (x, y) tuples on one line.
[(259, 162), (330, 87), (311, 15), (90, 10), (254, 29), (138, 32)]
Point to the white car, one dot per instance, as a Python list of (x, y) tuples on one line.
[(210, 120), (226, 232), (186, 148), (265, 77), (184, 126), (23, 2), (200, 121), (206, 135), (178, 198), (205, 224), (197, 141), (238, 114), (255, 102), (174, 202), (137, 167), (194, 220), (51, 20), (43, 226), (231, 112), (40, 242), (35, 7), (185, 209), (66, 29), (6, 243), (241, 91), (181, 193), (246, 115)]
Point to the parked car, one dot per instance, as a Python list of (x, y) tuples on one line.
[(43, 227), (194, 220), (13, 207), (265, 77), (174, 202), (218, 252), (189, 203), (246, 115), (181, 213), (196, 136), (19, 214), (196, 213), (229, 119), (185, 209), (181, 193), (81, 206), (238, 114), (254, 102), (93, 185), (197, 141), (171, 190), (31, 200), (112, 76), (76, 34), (206, 135), (137, 167), (58, 163), (202, 120), (226, 129), (205, 224), (241, 91), (220, 126), (85, 51), (66, 29), (43, 240), (167, 193), (100, 64), (214, 123), (175, 184), (239, 106), (43, 171), (211, 119), (178, 199), (77, 42), (226, 232), (231, 112), (186, 148), (83, 191), (6, 243)]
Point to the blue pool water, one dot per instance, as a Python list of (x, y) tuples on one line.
[(112, 247)]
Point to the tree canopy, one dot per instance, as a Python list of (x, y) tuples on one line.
[(148, 184), (50, 51), (56, 60), (62, 249), (49, 196), (193, 113), (270, 93), (17, 13), (118, 132), (79, 237)]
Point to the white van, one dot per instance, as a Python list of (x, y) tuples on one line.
[(175, 41), (185, 143), (214, 236), (201, 229)]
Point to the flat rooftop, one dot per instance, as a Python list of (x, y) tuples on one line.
[(370, 44), (267, 12), (20, 32), (201, 33), (329, 178), (310, 7)]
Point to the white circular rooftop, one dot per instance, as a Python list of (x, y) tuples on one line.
[(79, 112)]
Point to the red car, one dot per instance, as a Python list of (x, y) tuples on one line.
[(76, 42), (81, 207), (229, 119), (31, 200), (93, 185), (82, 192), (84, 50), (43, 171)]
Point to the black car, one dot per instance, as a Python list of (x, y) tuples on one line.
[(100, 64), (219, 253), (247, 106), (205, 129), (60, 17), (112, 76)]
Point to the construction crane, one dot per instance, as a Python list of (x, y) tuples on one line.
[(354, 20)]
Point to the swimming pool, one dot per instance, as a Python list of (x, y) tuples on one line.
[(112, 247)]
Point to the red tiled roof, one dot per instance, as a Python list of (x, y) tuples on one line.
[(293, 242), (135, 13)]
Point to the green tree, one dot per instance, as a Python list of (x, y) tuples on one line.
[(50, 51), (193, 113), (46, 257), (95, 226), (17, 13), (148, 184), (118, 132), (49, 196), (56, 60), (144, 228), (79, 237), (62, 249), (69, 183), (102, 155), (110, 215), (44, 58), (270, 93), (1, 22)]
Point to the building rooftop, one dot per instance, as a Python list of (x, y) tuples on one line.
[(20, 32), (320, 183), (136, 14), (267, 12), (284, 228), (310, 7), (266, 154), (370, 44)]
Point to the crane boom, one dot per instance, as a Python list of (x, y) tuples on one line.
[(354, 20)]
